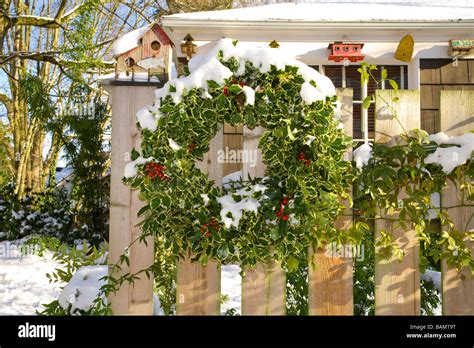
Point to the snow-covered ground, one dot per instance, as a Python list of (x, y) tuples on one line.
[(24, 286), (231, 285)]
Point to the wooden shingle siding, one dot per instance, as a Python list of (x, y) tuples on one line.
[(437, 75)]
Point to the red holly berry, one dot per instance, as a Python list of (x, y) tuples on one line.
[(278, 213), (301, 156), (307, 162), (242, 83), (191, 147), (285, 218), (234, 81), (154, 170), (284, 201), (226, 91)]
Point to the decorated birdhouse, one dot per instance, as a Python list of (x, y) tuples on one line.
[(345, 51), (405, 48), (144, 54), (461, 47)]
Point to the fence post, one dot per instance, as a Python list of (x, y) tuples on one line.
[(330, 277), (457, 117), (198, 286), (264, 287), (124, 203), (397, 283)]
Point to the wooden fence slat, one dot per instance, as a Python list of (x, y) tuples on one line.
[(397, 283), (330, 277), (124, 203), (264, 290), (457, 117), (198, 286), (330, 284), (250, 143), (264, 287)]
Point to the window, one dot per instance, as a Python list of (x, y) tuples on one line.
[(349, 77)]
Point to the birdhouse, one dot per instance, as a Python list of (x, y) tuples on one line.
[(341, 51), (143, 54), (458, 48), (405, 48)]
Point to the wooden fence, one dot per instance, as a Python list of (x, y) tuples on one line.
[(397, 284)]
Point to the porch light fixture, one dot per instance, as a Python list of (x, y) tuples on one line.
[(188, 47)]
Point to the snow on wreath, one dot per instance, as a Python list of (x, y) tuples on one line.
[(254, 86)]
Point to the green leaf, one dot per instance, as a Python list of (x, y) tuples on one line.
[(366, 102), (235, 89), (213, 84), (384, 74), (289, 133), (393, 84), (274, 234), (292, 263)]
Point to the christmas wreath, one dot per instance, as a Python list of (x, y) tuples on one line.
[(251, 219)]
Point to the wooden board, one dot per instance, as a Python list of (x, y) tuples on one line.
[(451, 74), (250, 144), (198, 286), (397, 283), (330, 284), (430, 121), (124, 203), (430, 76), (330, 277), (232, 146), (264, 290), (457, 117), (430, 96), (264, 287), (408, 109)]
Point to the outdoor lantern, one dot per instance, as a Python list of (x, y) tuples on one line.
[(341, 52), (188, 47)]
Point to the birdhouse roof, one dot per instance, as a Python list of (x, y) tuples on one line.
[(345, 43), (131, 40)]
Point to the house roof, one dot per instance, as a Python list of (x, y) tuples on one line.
[(330, 11)]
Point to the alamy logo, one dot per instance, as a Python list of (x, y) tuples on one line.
[(228, 155), (37, 331)]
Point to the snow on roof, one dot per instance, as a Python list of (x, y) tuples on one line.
[(343, 11), (129, 41)]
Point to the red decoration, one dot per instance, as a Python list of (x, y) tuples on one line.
[(226, 91), (213, 226), (302, 157), (154, 170), (349, 51)]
